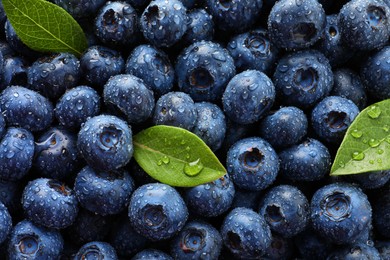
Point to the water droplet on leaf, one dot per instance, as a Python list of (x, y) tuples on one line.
[(358, 156), (193, 168)]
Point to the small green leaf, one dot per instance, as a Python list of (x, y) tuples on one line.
[(366, 144), (176, 156), (44, 26)]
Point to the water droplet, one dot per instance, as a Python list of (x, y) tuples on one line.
[(159, 162), (386, 128), (379, 160), (380, 151), (358, 156), (193, 168), (374, 111), (374, 143), (356, 133), (183, 141), (371, 161), (342, 164), (165, 159)]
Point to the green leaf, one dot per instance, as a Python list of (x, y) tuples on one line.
[(366, 144), (176, 156), (44, 26)]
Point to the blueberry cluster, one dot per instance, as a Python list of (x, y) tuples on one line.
[(270, 86)]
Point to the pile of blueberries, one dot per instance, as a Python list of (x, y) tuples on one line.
[(270, 86)]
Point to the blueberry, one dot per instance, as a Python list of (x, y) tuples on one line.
[(235, 15), (16, 153), (355, 251), (105, 142), (364, 24), (311, 245), (103, 193), (49, 203), (253, 50), (280, 248), (14, 72), (234, 133), (296, 24), (307, 161), (151, 254), (210, 199), (285, 127), (340, 212), (347, 84), (211, 124), (175, 109), (98, 63), (10, 195), (246, 199), (164, 22), (5, 223), (76, 106), (80, 8), (3, 126), (127, 95), (203, 70), (375, 73), (157, 211), (383, 247), (200, 26), (252, 164), (370, 180), (381, 206), (245, 233), (116, 24), (197, 240), (29, 241), (6, 50), (303, 78), (248, 96), (52, 75), (56, 154), (286, 210), (26, 108), (332, 116), (96, 250)]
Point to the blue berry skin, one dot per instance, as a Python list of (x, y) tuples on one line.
[(52, 75), (197, 240), (151, 254), (252, 164), (331, 44), (203, 70), (6, 50), (164, 22), (105, 142), (381, 206), (347, 84), (234, 133), (210, 199), (369, 180), (280, 248), (96, 250), (375, 73), (248, 96), (285, 127), (246, 199), (340, 212), (364, 24), (98, 63), (234, 16), (253, 50), (153, 67), (26, 108), (30, 241), (307, 161), (125, 239), (5, 223), (3, 126), (14, 72), (80, 8), (303, 78), (211, 124), (311, 245), (200, 26), (355, 251), (103, 193), (383, 247), (16, 153), (245, 233), (175, 109), (56, 154), (286, 210), (10, 195), (76, 106), (296, 24), (49, 203), (127, 95), (332, 116), (157, 211), (116, 24)]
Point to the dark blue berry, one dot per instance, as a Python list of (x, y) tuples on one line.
[(105, 142), (246, 199), (200, 26), (49, 203), (248, 96), (383, 247), (11, 194), (381, 206), (157, 211), (14, 72), (151, 254), (355, 252), (311, 245), (203, 70), (286, 210), (5, 223), (280, 248), (164, 22), (3, 126), (370, 180), (96, 250), (26, 108), (296, 24), (252, 164), (245, 233), (80, 8), (127, 95), (16, 153)]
